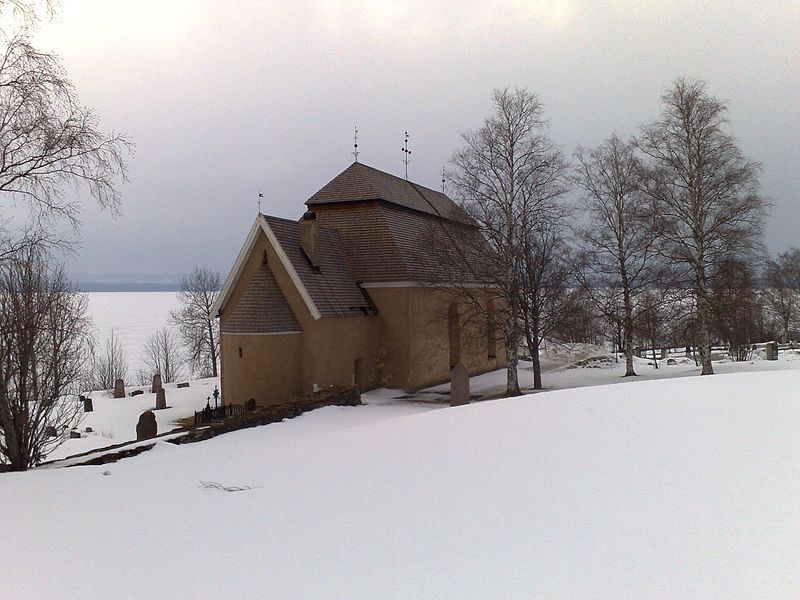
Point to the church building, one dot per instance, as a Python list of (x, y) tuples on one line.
[(349, 294)]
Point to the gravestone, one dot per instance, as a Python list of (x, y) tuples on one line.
[(50, 431), (183, 385), (74, 434), (119, 388), (771, 350), (87, 404), (137, 393), (156, 383), (161, 399), (459, 386), (147, 427), (88, 430), (664, 353)]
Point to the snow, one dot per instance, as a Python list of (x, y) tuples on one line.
[(669, 485), (113, 420), (133, 316), (676, 488)]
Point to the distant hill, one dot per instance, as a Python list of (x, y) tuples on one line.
[(126, 282)]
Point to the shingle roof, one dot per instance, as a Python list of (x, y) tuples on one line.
[(359, 182), (331, 286), (262, 308), (385, 242)]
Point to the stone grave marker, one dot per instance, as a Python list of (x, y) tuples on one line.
[(137, 393), (183, 385), (87, 404), (147, 427), (119, 388), (50, 431), (459, 386), (161, 399), (156, 383)]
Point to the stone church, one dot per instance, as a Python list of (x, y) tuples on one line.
[(349, 294)]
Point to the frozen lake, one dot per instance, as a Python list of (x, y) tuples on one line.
[(133, 316)]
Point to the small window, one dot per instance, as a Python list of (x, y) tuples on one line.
[(240, 352)]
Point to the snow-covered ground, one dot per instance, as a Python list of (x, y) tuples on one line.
[(133, 316), (667, 486), (681, 488), (113, 420)]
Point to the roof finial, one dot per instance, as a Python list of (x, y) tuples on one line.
[(443, 174), (260, 196), (355, 143), (407, 153)]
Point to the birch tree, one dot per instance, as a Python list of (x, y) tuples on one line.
[(619, 240), (44, 346), (705, 191), (507, 174), (782, 291), (161, 354), (197, 326)]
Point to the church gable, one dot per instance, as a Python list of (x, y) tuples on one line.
[(262, 308)]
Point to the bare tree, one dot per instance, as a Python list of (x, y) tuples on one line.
[(782, 290), (48, 142), (106, 366), (618, 241), (705, 192), (546, 274), (197, 326), (507, 176), (162, 355), (735, 307), (44, 341)]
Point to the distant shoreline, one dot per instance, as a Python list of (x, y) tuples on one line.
[(96, 286)]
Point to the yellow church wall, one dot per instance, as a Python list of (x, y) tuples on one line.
[(267, 370), (392, 350), (430, 337), (276, 368)]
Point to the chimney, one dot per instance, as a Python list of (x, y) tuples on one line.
[(309, 237)]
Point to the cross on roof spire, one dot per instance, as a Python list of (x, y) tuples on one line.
[(355, 143), (407, 152)]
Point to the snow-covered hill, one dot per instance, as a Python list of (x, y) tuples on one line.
[(679, 488)]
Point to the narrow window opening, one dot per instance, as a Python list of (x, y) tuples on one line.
[(491, 341), (240, 352), (454, 334)]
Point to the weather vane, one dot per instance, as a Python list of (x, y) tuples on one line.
[(407, 153), (443, 174), (260, 196), (355, 143)]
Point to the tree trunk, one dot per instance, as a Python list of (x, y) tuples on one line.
[(532, 339), (213, 349), (703, 336), (537, 366), (628, 332), (512, 358)]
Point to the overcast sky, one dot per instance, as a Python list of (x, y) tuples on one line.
[(224, 99)]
